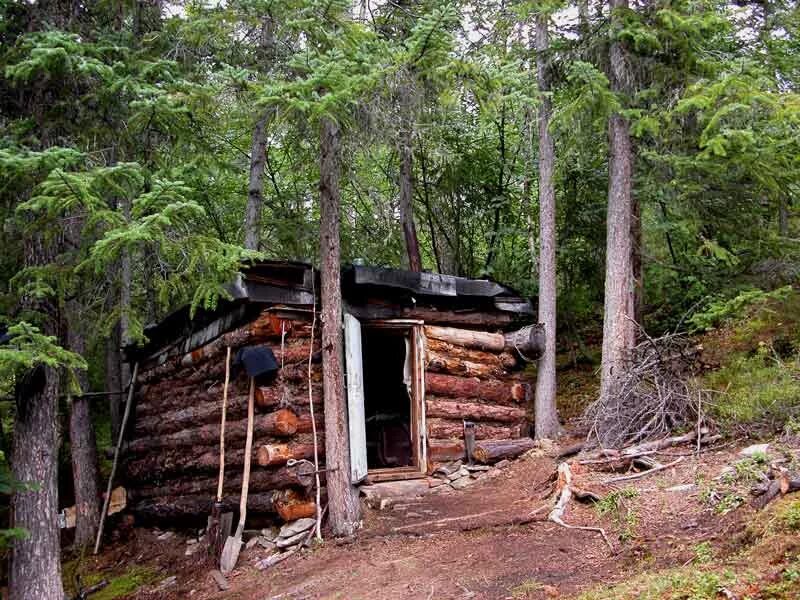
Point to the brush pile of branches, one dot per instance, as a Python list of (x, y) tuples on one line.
[(654, 395)]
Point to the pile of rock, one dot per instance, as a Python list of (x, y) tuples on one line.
[(456, 475), (285, 541)]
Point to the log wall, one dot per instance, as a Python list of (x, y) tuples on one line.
[(172, 454), (472, 375)]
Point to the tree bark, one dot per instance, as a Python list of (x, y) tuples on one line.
[(545, 415), (35, 572), (454, 386), (83, 446), (281, 423), (459, 409), (255, 187), (478, 340), (618, 327), (452, 428), (491, 451), (406, 206), (344, 508)]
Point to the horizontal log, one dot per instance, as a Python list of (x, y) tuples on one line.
[(199, 506), (287, 394), (468, 318), (193, 415), (445, 450), (304, 421), (447, 428), (479, 340), (491, 451), (453, 409), (528, 342), (277, 454), (261, 480), (167, 463), (292, 505), (504, 360), (500, 392), (438, 362), (282, 423)]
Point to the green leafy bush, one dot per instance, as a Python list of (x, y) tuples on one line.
[(722, 310)]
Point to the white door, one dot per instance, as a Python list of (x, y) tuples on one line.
[(355, 398)]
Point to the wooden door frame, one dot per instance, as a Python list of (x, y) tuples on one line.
[(417, 425)]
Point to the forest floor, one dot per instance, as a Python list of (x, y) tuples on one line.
[(471, 544)]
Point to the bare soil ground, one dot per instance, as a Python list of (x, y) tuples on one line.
[(480, 542)]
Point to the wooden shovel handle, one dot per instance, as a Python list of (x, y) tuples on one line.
[(248, 453), (222, 425)]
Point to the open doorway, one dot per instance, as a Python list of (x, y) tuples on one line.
[(388, 392), (385, 389)]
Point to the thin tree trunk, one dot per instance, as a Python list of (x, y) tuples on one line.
[(618, 327), (255, 188), (83, 446), (126, 282), (36, 564), (783, 217), (406, 178), (342, 496), (546, 425), (637, 272)]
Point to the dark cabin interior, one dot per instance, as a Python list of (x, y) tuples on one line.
[(387, 403)]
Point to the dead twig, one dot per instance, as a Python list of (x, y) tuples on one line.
[(655, 469), (556, 515)]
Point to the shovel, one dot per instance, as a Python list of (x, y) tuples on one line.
[(219, 525), (233, 545)]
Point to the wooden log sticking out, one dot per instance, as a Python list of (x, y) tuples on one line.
[(281, 423), (450, 428), (527, 342), (157, 466), (492, 451), (452, 409), (442, 363), (261, 480), (277, 454), (479, 340), (278, 393), (445, 450), (453, 386), (292, 505), (783, 484), (198, 506)]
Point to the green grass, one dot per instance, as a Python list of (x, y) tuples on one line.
[(619, 506), (760, 391), (766, 566)]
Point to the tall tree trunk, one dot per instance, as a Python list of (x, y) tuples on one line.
[(35, 563), (618, 328), (255, 188), (342, 495), (406, 140), (546, 425), (637, 272), (83, 445), (783, 216)]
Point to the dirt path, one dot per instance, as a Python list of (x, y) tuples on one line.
[(402, 554)]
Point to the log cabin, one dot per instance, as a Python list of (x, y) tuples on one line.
[(434, 367)]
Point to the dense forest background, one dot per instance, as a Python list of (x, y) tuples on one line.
[(147, 148)]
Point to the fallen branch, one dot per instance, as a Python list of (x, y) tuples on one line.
[(655, 469), (784, 484), (557, 514)]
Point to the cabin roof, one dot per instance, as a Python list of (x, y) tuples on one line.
[(295, 284)]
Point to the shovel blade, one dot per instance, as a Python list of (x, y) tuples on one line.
[(230, 554)]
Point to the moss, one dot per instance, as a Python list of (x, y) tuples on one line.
[(119, 584)]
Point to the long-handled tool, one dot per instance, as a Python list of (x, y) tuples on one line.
[(219, 525), (233, 545), (117, 449)]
